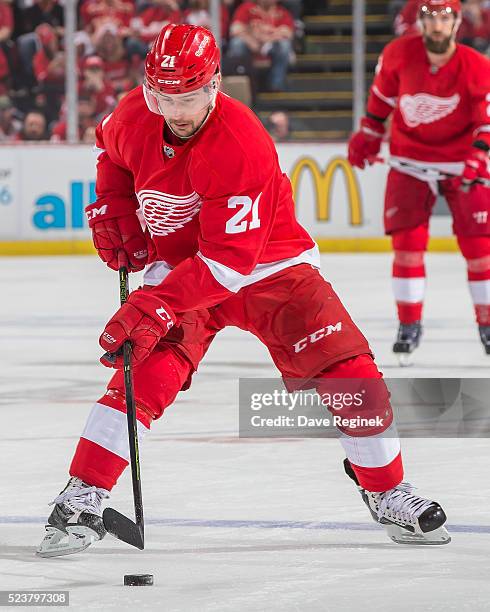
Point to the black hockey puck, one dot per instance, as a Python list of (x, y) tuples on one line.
[(138, 579)]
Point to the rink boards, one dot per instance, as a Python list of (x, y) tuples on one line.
[(44, 189)]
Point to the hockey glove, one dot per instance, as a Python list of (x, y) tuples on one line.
[(476, 165), (364, 145), (144, 320), (114, 230)]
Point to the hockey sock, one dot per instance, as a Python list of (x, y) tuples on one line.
[(409, 248), (374, 454), (476, 251), (102, 452)]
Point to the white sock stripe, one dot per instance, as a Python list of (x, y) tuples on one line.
[(410, 290), (372, 451), (480, 291), (108, 428)]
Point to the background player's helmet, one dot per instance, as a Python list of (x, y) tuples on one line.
[(183, 58), (439, 6)]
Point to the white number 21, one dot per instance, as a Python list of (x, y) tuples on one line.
[(238, 224), (168, 61)]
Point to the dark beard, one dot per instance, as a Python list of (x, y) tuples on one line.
[(437, 46)]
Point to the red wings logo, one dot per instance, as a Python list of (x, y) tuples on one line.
[(424, 108), (165, 213)]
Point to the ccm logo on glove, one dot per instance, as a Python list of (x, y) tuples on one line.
[(115, 228), (143, 320), (163, 314), (95, 212)]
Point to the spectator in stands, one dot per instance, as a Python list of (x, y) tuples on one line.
[(277, 125), (86, 118), (263, 28), (198, 14), (89, 135), (94, 84), (406, 20), (34, 127), (117, 67), (475, 28), (10, 125), (41, 12), (94, 14), (295, 7), (6, 45), (4, 73), (49, 70), (148, 23)]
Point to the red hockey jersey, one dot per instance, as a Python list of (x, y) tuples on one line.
[(218, 209), (437, 113)]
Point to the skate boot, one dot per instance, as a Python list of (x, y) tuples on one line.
[(408, 518), (485, 337), (76, 520), (408, 339)]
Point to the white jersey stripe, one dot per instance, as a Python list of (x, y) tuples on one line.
[(389, 101), (234, 281)]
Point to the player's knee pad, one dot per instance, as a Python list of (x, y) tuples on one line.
[(155, 383), (355, 393), (476, 251), (413, 239)]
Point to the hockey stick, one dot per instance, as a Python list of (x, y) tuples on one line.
[(117, 524), (439, 174)]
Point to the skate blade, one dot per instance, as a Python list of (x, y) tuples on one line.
[(432, 538), (57, 543), (405, 360)]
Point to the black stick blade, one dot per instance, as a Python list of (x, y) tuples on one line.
[(123, 528)]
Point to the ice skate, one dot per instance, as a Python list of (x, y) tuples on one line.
[(408, 339), (485, 337), (408, 518), (76, 520)]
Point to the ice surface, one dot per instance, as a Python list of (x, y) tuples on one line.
[(246, 525)]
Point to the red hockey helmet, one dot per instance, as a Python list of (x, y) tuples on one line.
[(183, 58), (427, 7)]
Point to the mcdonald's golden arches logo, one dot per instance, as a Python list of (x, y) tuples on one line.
[(323, 185)]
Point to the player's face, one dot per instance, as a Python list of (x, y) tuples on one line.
[(438, 30), (184, 113)]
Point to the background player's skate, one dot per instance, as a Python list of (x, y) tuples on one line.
[(76, 520), (408, 518), (484, 331), (408, 339)]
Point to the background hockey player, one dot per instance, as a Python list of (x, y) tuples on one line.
[(222, 247), (438, 94)]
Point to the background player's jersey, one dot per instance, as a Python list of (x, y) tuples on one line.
[(217, 206), (437, 113)]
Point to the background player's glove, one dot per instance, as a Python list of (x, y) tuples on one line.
[(365, 144), (144, 319), (115, 230), (475, 166)]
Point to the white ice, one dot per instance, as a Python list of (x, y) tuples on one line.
[(232, 524)]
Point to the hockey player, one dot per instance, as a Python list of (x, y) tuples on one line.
[(222, 247), (438, 95)]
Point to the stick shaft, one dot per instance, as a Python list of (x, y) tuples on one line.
[(131, 410)]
